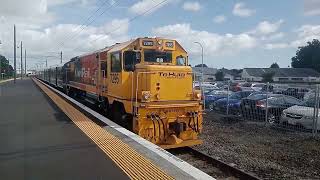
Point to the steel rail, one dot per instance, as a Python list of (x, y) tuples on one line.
[(228, 170)]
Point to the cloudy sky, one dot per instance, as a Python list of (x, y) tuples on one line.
[(234, 33)]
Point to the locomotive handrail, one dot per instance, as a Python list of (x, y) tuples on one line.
[(132, 81)]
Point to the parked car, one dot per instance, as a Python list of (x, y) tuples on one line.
[(258, 86), (301, 116), (308, 95), (254, 106), (245, 86), (296, 92), (279, 88), (233, 102), (219, 84), (212, 96), (206, 87), (234, 86)]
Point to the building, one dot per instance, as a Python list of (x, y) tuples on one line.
[(232, 74), (281, 74), (208, 73)]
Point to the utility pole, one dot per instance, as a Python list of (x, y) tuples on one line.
[(21, 71), (14, 53), (25, 62), (61, 57), (46, 62)]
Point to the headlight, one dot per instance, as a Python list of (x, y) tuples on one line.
[(146, 95), (197, 94)]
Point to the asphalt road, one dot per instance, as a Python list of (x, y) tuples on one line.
[(38, 141)]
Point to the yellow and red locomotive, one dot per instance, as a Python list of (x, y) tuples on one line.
[(145, 84)]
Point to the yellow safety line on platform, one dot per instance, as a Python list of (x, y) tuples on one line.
[(2, 81), (130, 161)]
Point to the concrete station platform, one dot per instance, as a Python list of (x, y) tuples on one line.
[(39, 141)]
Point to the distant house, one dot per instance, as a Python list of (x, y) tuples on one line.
[(281, 74), (208, 73), (232, 74)]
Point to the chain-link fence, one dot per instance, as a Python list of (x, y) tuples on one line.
[(285, 106)]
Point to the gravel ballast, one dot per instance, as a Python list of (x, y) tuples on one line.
[(267, 152)]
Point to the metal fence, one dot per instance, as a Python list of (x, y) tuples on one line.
[(286, 106)]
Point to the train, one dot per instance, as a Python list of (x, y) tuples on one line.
[(144, 85)]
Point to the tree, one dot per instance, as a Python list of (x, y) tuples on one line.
[(308, 56), (219, 76), (268, 77), (5, 67), (199, 65), (274, 65)]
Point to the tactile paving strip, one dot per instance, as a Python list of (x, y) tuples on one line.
[(130, 161)]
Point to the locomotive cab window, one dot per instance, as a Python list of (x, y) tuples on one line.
[(157, 56), (115, 62), (131, 58), (181, 61)]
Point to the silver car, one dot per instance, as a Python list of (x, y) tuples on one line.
[(301, 116)]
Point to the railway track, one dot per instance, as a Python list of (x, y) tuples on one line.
[(210, 165)]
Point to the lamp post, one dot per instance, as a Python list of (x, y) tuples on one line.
[(201, 82)]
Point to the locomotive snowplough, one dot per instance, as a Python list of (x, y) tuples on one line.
[(144, 84)]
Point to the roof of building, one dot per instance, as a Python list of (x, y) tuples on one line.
[(206, 70), (283, 72), (232, 72)]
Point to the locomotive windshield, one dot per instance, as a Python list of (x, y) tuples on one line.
[(157, 56), (131, 58)]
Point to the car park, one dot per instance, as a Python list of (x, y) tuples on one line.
[(232, 103), (258, 106)]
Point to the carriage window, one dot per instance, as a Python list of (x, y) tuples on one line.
[(131, 58), (157, 56), (115, 62), (181, 61)]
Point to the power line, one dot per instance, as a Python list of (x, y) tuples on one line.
[(87, 22), (130, 20)]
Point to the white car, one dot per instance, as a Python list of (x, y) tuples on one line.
[(301, 116), (257, 86), (205, 87)]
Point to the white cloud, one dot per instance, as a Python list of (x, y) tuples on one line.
[(40, 41), (303, 34), (311, 7), (27, 8), (271, 46), (306, 33), (276, 36), (219, 19), (144, 5), (214, 44), (266, 27), (240, 9), (192, 6), (37, 28)]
